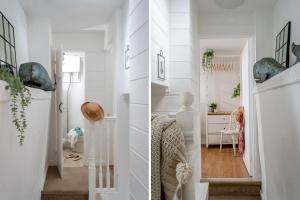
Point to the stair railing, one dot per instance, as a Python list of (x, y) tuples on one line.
[(102, 159)]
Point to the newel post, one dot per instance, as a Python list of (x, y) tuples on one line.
[(185, 120)]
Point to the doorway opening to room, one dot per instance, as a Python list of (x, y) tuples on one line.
[(70, 96), (226, 108)]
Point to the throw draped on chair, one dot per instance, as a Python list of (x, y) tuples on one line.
[(241, 137)]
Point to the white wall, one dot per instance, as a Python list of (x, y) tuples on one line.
[(183, 63), (245, 94), (284, 11), (92, 45), (226, 24), (95, 69), (121, 80), (180, 57), (257, 27), (160, 24), (278, 124), (139, 104), (24, 168), (14, 12), (40, 42), (76, 97), (195, 71), (218, 87)]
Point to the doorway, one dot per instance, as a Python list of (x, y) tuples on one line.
[(70, 96), (225, 90)]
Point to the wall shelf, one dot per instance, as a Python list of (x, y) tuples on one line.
[(158, 87), (35, 93)]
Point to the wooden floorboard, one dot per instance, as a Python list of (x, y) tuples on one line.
[(216, 164)]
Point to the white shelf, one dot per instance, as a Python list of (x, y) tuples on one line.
[(159, 87), (35, 93), (287, 77)]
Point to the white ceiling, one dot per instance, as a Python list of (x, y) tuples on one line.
[(249, 5), (224, 46), (72, 15)]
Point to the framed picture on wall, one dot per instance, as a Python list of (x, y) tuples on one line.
[(127, 57), (161, 66), (282, 51), (7, 45)]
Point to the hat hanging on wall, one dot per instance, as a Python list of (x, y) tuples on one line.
[(92, 111)]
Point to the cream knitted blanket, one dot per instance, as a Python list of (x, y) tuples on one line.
[(167, 151)]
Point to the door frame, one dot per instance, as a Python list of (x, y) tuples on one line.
[(254, 168), (59, 145), (59, 54)]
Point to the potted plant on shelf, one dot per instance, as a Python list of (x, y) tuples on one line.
[(20, 99), (236, 91), (213, 107)]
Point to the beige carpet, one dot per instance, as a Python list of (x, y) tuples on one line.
[(75, 180), (69, 162), (234, 198)]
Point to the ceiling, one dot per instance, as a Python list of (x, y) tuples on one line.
[(223, 46), (249, 5), (72, 15)]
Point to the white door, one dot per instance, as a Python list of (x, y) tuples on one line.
[(60, 110)]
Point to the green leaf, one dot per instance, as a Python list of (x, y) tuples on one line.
[(20, 100)]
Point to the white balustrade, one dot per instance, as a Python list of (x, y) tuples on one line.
[(105, 152)]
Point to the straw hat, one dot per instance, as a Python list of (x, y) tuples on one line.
[(92, 111)]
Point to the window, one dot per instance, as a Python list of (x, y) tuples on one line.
[(7, 45)]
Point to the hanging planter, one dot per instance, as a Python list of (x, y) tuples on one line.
[(207, 59), (20, 99)]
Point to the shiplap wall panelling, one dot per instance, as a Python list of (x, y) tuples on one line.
[(159, 38), (139, 105)]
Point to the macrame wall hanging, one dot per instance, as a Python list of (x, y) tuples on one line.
[(223, 63)]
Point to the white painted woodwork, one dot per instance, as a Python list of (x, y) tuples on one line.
[(218, 119), (138, 101), (59, 115), (159, 38), (277, 103), (24, 168), (107, 134), (215, 124), (202, 191), (185, 120)]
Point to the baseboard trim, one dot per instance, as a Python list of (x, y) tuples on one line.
[(262, 195)]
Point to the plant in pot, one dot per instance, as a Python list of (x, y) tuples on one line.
[(20, 99), (213, 107), (236, 91), (207, 58)]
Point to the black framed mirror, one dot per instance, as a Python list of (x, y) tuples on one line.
[(283, 40), (7, 45)]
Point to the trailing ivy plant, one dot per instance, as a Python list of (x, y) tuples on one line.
[(207, 58), (20, 99), (236, 91)]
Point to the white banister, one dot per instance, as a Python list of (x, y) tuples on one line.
[(108, 130), (92, 165), (107, 166), (101, 147), (185, 120)]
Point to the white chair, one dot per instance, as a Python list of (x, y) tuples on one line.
[(232, 130)]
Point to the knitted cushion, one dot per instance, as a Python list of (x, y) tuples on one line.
[(167, 150)]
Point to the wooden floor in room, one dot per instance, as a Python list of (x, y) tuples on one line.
[(216, 164)]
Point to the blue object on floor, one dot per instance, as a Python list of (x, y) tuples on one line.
[(79, 131)]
